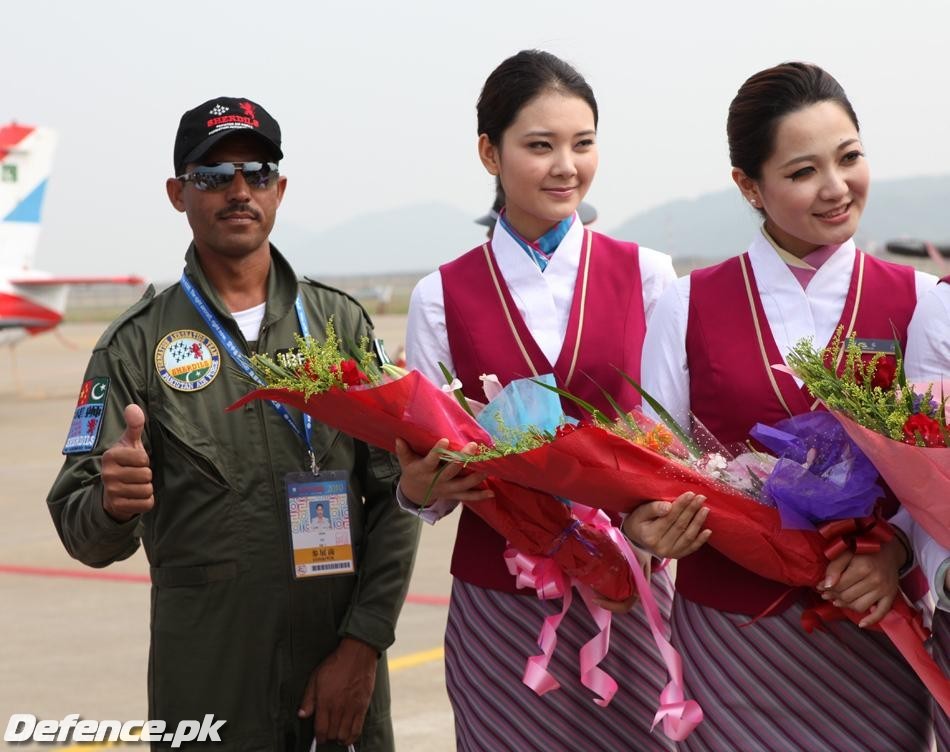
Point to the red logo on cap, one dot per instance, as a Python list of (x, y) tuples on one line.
[(247, 119)]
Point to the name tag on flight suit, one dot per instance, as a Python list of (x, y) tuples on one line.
[(319, 512)]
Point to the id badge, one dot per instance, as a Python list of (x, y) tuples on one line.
[(319, 513), (872, 346)]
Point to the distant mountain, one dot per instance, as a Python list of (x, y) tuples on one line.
[(715, 225), (412, 238), (420, 237), (720, 224)]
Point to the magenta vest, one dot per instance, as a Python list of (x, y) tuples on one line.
[(487, 334), (729, 347)]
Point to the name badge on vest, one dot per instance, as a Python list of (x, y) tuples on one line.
[(319, 511), (872, 346)]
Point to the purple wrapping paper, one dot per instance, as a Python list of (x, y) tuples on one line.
[(821, 474)]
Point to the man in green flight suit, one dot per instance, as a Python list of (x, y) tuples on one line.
[(239, 629)]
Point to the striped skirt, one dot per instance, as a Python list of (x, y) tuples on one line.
[(771, 687), (941, 631), (491, 634)]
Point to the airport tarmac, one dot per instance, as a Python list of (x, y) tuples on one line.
[(75, 640)]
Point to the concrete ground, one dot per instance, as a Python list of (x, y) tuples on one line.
[(78, 644)]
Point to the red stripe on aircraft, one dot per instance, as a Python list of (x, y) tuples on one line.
[(11, 135), (47, 281), (97, 574), (17, 308)]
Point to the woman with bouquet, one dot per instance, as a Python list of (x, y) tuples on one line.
[(928, 360), (544, 295), (798, 160)]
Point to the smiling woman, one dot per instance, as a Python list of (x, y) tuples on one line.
[(544, 295), (765, 684)]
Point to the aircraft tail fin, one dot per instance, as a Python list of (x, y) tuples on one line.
[(26, 158)]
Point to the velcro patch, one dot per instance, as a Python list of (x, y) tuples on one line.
[(87, 420), (289, 357)]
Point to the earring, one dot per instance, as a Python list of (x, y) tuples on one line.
[(754, 202)]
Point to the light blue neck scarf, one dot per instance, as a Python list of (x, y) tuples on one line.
[(541, 250)]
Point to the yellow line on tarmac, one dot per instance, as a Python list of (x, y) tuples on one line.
[(416, 659), (396, 664)]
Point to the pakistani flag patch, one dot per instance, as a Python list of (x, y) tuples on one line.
[(87, 420)]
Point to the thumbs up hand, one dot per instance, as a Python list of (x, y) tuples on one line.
[(126, 474)]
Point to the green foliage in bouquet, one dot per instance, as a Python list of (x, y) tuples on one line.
[(315, 367), (872, 391)]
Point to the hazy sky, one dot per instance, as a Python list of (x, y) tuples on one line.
[(377, 99)]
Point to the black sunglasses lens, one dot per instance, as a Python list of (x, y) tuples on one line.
[(214, 177), (258, 174)]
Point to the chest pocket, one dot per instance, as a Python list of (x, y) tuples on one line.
[(193, 523)]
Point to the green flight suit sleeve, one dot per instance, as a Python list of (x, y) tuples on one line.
[(389, 546), (75, 500)]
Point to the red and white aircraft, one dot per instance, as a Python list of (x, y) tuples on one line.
[(31, 301)]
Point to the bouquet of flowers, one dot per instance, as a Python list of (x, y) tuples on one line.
[(783, 518), (616, 464), (901, 426)]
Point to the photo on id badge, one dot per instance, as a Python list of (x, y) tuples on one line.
[(319, 514)]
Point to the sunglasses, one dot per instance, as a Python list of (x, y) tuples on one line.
[(213, 177)]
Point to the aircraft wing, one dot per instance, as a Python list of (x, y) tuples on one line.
[(49, 281)]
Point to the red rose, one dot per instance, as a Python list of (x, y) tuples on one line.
[(351, 374), (884, 371), (926, 428)]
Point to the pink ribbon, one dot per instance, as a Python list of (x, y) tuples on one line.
[(679, 716), (547, 579)]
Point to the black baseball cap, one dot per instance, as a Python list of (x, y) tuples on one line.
[(208, 123)]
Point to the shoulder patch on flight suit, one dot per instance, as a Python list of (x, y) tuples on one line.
[(87, 419)]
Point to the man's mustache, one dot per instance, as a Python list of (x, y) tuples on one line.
[(238, 209)]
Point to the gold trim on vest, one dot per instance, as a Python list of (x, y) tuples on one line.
[(580, 317), (504, 307), (758, 334), (854, 314)]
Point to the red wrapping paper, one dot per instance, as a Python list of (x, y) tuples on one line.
[(600, 469), (411, 408), (537, 524), (417, 411)]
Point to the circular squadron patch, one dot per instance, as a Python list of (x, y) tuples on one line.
[(187, 360)]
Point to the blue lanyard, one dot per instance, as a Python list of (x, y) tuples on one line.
[(227, 341)]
